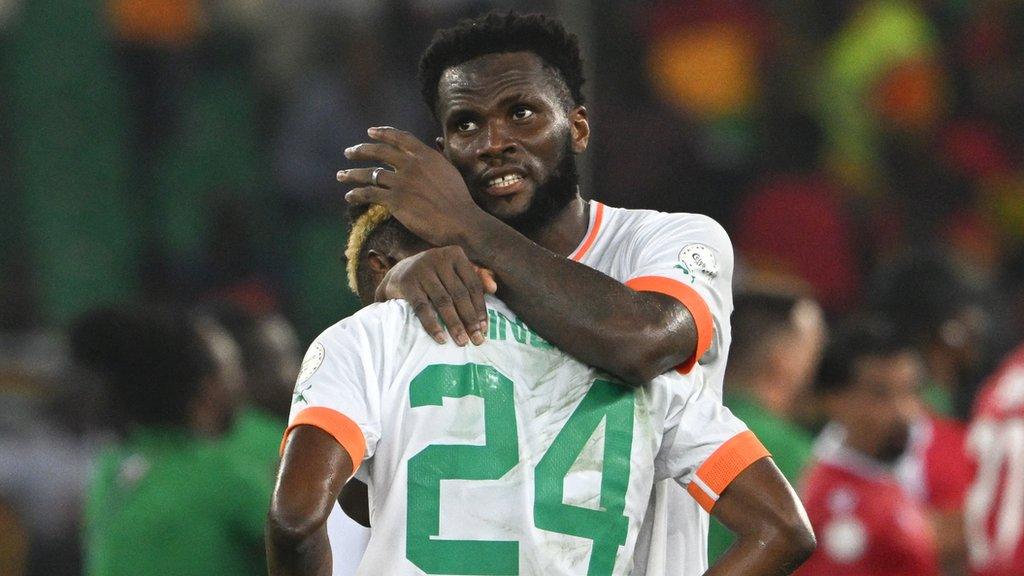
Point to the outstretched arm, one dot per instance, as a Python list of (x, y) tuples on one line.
[(773, 535), (313, 471)]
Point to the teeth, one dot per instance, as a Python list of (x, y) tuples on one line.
[(503, 181)]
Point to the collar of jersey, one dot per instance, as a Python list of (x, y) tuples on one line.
[(593, 229)]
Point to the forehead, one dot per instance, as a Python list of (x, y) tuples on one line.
[(492, 75), (896, 372)]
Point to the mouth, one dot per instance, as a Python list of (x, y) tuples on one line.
[(504, 184)]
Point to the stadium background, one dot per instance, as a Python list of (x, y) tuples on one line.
[(177, 150)]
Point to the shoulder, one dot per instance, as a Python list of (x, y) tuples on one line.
[(652, 221), (692, 237), (372, 322)]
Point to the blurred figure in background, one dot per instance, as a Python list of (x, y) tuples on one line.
[(938, 314), (269, 354), (46, 453), (867, 524), (13, 542), (995, 505), (936, 471), (774, 355), (168, 499)]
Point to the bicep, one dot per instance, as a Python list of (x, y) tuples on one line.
[(690, 260), (757, 498), (314, 468)]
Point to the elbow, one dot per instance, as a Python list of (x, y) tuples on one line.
[(632, 371), (798, 538), (289, 527), (804, 542), (637, 376), (638, 364)]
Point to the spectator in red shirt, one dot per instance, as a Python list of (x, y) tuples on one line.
[(867, 524)]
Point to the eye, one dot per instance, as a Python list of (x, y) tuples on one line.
[(521, 113), (465, 126)]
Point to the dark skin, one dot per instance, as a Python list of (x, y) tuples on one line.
[(774, 535), (506, 114)]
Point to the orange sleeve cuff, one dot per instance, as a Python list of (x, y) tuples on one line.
[(693, 302), (341, 427), (723, 466)]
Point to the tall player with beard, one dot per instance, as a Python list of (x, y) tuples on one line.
[(633, 292)]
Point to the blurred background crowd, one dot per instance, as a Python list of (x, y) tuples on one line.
[(865, 156)]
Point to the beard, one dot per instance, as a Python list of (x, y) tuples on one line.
[(549, 199), (894, 445)]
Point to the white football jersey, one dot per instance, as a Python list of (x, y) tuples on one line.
[(510, 457), (688, 257)]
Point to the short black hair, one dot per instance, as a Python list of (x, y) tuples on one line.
[(152, 362), (495, 33), (757, 317), (858, 338)]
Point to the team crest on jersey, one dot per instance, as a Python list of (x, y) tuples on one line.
[(310, 363), (701, 258)]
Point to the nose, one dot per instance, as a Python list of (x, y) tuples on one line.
[(497, 141)]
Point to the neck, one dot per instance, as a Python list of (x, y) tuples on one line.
[(566, 230)]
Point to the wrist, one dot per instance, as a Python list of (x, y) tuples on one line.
[(478, 236)]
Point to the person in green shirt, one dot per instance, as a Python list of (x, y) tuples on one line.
[(168, 497), (777, 342), (270, 354)]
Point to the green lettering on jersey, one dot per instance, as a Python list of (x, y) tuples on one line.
[(606, 527), (437, 462), (499, 325)]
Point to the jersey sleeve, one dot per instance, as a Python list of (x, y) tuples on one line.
[(338, 387), (705, 447), (688, 257)]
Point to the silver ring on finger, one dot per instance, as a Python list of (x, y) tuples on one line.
[(375, 175)]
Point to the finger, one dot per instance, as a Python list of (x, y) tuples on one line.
[(368, 195), (442, 302), (467, 273), (424, 310), (376, 152), (465, 306), (398, 138), (490, 284), (364, 177)]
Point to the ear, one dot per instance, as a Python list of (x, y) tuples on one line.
[(379, 263), (580, 128), (439, 143)]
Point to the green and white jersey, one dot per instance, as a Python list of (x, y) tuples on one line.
[(510, 457)]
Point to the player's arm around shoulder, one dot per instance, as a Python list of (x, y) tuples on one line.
[(773, 533)]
